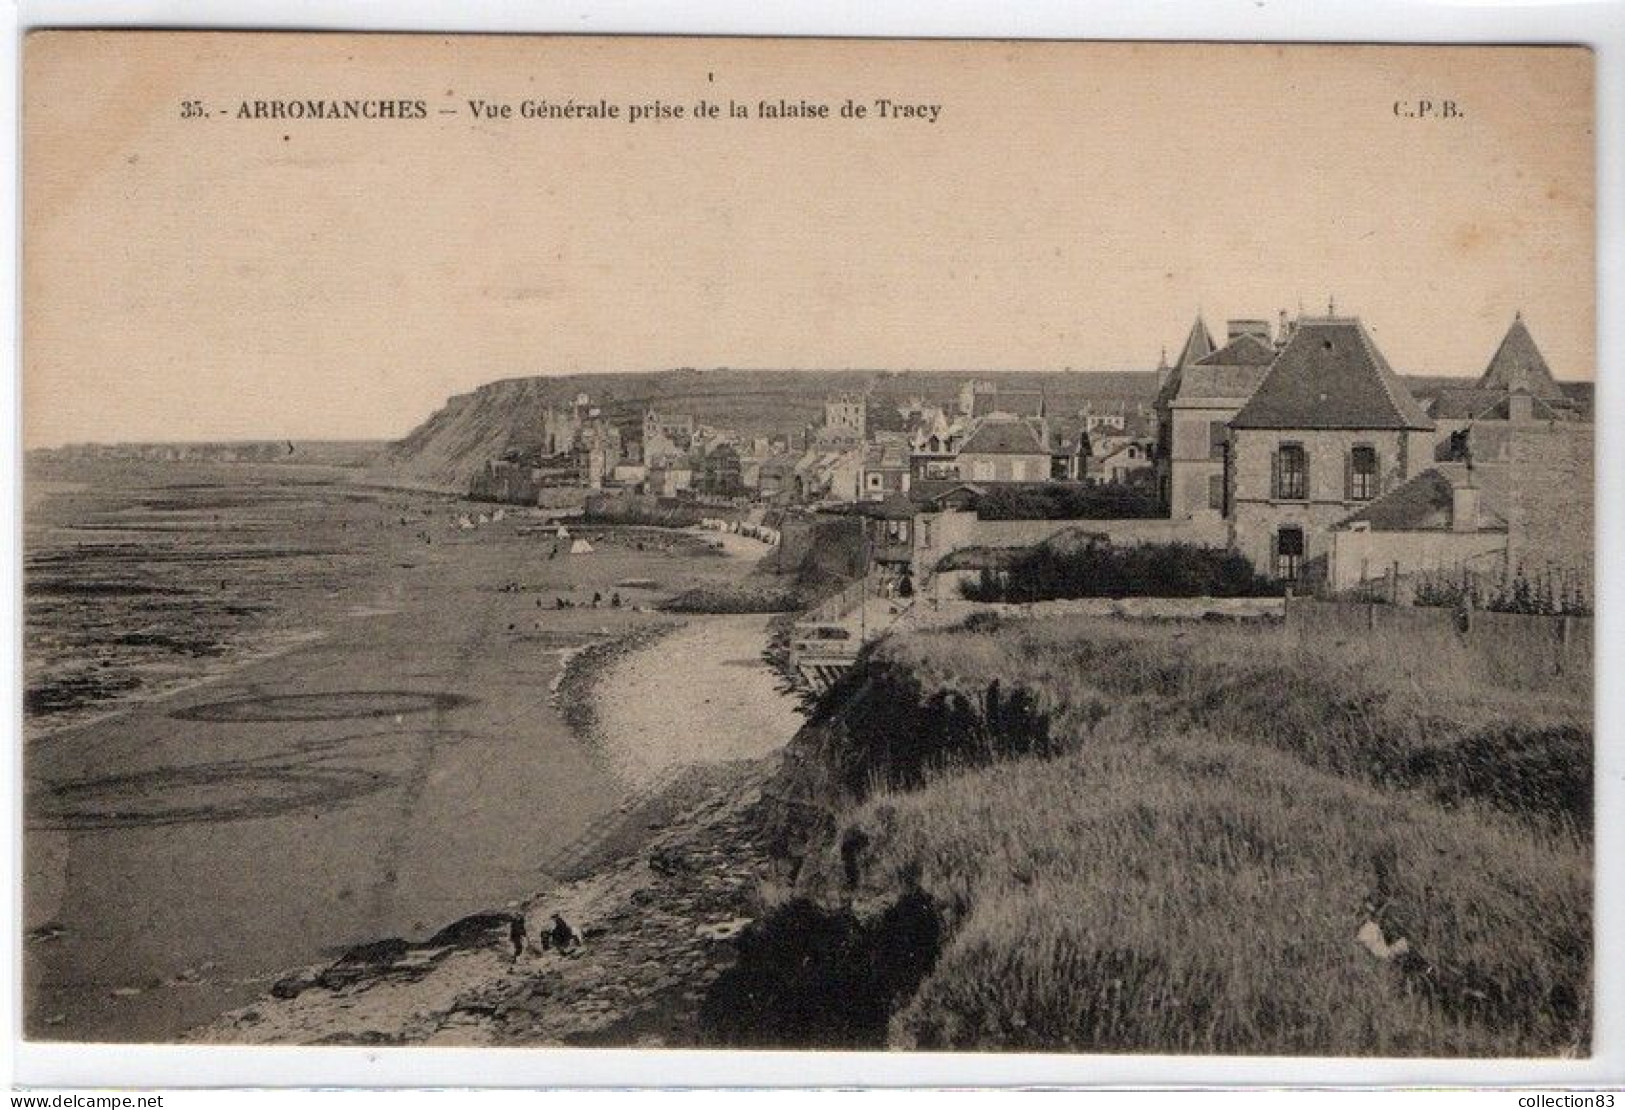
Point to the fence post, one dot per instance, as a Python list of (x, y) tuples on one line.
[(1370, 616), (1393, 583)]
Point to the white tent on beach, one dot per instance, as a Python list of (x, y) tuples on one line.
[(581, 547)]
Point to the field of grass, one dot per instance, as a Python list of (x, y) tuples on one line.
[(1168, 838)]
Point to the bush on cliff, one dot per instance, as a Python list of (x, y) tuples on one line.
[(1098, 569)]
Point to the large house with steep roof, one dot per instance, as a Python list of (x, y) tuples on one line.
[(1329, 428)]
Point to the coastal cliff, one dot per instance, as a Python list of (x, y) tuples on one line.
[(448, 448)]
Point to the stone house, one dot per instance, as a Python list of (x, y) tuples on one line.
[(1128, 459), (887, 468), (1005, 448), (721, 472), (1329, 429)]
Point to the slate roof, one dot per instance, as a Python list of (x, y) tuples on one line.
[(1246, 349), (1235, 383), (1330, 375), (1004, 437), (1518, 364), (886, 456), (1198, 345), (1423, 504)]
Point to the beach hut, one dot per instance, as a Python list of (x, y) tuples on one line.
[(581, 547)]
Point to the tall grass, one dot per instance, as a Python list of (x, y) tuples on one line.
[(1173, 842)]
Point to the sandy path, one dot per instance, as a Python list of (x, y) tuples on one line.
[(699, 695)]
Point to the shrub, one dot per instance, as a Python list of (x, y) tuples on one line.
[(820, 978), (1066, 501), (1099, 569), (1548, 591)]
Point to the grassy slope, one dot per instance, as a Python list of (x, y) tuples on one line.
[(1219, 815)]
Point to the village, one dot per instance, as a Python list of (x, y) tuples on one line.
[(1293, 443)]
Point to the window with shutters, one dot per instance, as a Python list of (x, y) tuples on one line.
[(1289, 554), (1362, 483), (1291, 473), (1215, 492), (1217, 436)]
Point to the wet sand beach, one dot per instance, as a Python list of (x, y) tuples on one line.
[(400, 767)]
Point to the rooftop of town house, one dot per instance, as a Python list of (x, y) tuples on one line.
[(1117, 445), (935, 492), (888, 455), (1008, 436), (1330, 375), (1491, 404), (1425, 504)]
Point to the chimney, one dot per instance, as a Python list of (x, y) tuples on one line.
[(1464, 504)]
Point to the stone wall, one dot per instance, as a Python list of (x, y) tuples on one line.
[(1361, 556)]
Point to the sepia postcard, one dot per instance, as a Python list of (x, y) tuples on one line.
[(763, 543)]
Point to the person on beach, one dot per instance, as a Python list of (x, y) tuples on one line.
[(564, 935)]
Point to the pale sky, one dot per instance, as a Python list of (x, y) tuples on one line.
[(1074, 205)]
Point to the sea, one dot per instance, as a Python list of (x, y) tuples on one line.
[(140, 578)]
